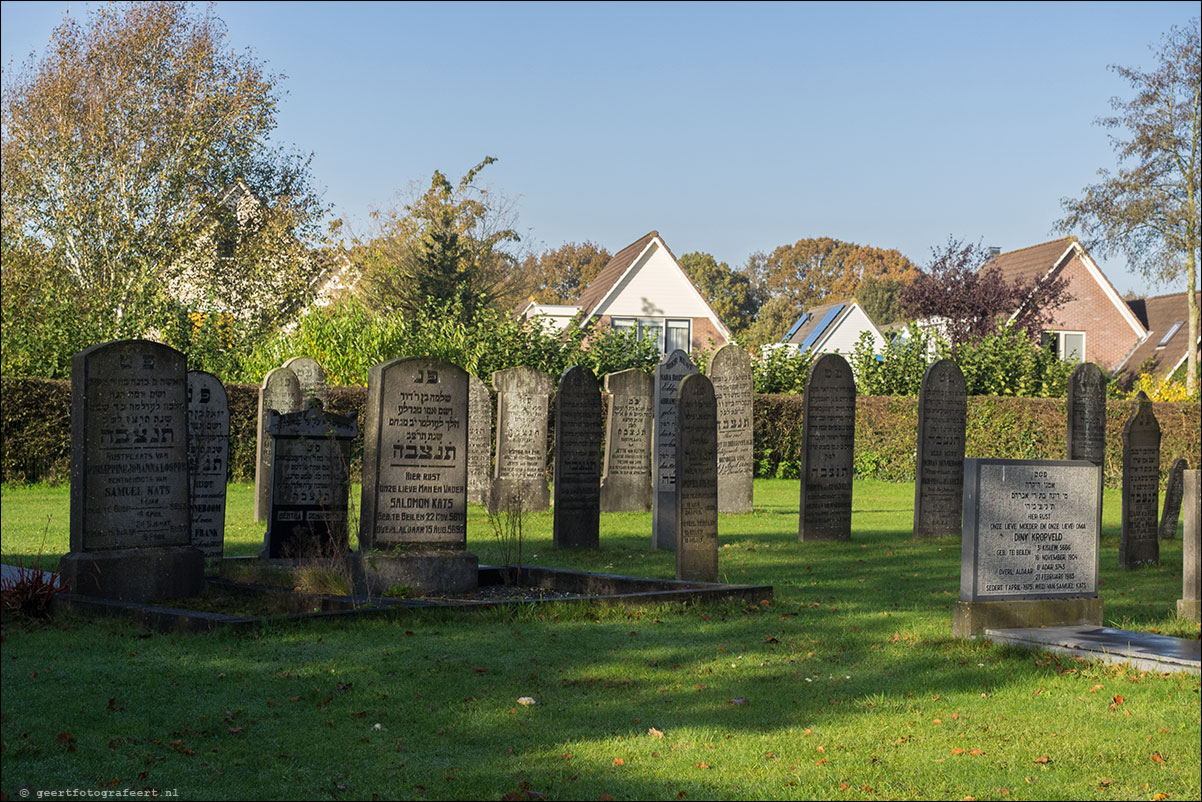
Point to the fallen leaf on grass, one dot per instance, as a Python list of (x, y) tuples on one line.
[(976, 751), (1095, 688), (703, 765), (820, 762), (235, 730), (1118, 700), (527, 700), (479, 670), (619, 761), (1156, 758), (957, 751), (741, 700), (844, 786), (66, 739), (654, 733), (1043, 759), (1159, 796)]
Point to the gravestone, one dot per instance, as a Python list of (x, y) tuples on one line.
[(577, 460), (1138, 543), (131, 527), (1171, 512), (626, 480), (939, 471), (1191, 549), (310, 483), (1030, 545), (479, 441), (208, 460), (312, 378), (523, 403), (413, 514), (1086, 414), (697, 480), (730, 371), (828, 434), (668, 375), (281, 391)]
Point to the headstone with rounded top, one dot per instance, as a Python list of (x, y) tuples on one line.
[(479, 441), (312, 378), (939, 472), (730, 372), (1086, 414), (208, 460), (626, 477), (577, 460), (523, 405), (828, 435), (668, 375), (280, 391), (1138, 543), (697, 480), (1170, 514)]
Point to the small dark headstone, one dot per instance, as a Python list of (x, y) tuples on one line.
[(1173, 491), (1191, 549), (626, 481), (281, 391), (1087, 414), (668, 375), (1138, 543), (697, 481), (828, 435), (208, 460), (939, 473), (577, 460), (523, 404), (479, 442), (730, 371), (312, 378), (131, 526), (310, 485)]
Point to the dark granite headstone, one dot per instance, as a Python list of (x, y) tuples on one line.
[(828, 435), (939, 473), (1138, 543), (208, 460), (1087, 414), (577, 460), (523, 404), (310, 485), (479, 441), (1191, 549), (312, 378), (730, 371), (697, 481), (626, 481), (130, 520), (1171, 512), (668, 375), (281, 391)]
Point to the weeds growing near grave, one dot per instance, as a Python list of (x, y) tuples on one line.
[(507, 525), (30, 593)]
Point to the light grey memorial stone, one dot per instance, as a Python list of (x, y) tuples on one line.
[(208, 460), (577, 460), (523, 405), (310, 483), (626, 477), (1030, 544), (1086, 414), (939, 473), (413, 514), (1191, 549), (828, 434), (668, 375), (697, 481), (130, 519), (730, 372), (312, 378), (479, 442), (1170, 514), (1138, 544), (281, 391)]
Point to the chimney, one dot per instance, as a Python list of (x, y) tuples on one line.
[(994, 251)]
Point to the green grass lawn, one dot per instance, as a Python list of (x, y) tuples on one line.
[(847, 686)]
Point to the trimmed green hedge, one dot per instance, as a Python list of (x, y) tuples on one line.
[(37, 430)]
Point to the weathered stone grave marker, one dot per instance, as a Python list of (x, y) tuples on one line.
[(523, 404), (281, 391), (939, 473), (310, 483), (1086, 414), (1191, 549), (208, 460), (668, 375), (479, 441), (413, 515), (626, 481), (312, 378), (1138, 543), (131, 527), (697, 480), (1171, 512), (730, 371), (828, 433), (1030, 543), (577, 460)]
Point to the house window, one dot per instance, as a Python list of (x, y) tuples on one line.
[(668, 335), (1069, 345), (677, 336)]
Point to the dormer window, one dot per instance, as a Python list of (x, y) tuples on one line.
[(1169, 335)]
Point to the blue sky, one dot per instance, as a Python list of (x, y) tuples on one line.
[(730, 128)]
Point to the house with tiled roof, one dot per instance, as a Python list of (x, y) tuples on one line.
[(644, 289), (1166, 347), (833, 328)]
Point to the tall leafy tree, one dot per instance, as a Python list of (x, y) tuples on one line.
[(140, 183), (558, 276), (1148, 209), (728, 291)]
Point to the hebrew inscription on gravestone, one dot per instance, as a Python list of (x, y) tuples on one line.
[(208, 460), (828, 433), (939, 473), (730, 372), (1138, 544), (626, 481), (668, 375), (577, 460)]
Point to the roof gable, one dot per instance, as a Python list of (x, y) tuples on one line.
[(1162, 312)]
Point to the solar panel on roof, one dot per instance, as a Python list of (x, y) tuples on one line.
[(813, 336), (793, 330)]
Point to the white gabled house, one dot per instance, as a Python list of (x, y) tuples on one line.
[(833, 328)]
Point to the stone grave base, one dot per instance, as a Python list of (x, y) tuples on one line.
[(135, 575), (1189, 610), (422, 572), (1143, 650), (971, 619)]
